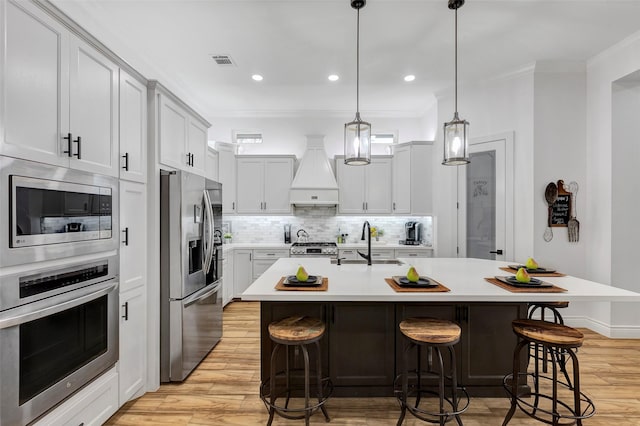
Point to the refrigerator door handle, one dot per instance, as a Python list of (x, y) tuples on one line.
[(207, 227), (201, 295)]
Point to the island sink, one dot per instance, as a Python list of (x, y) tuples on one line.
[(364, 262)]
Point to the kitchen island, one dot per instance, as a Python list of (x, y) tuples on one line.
[(362, 348)]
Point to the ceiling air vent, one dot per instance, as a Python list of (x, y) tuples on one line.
[(224, 60)]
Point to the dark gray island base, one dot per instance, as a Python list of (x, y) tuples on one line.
[(362, 347)]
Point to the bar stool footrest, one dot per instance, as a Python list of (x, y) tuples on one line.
[(462, 396), (295, 413)]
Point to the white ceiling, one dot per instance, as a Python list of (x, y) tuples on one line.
[(296, 44)]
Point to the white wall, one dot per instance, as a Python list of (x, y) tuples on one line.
[(602, 71), (286, 135), (491, 107)]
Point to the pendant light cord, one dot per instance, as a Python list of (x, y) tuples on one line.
[(456, 61), (358, 65)]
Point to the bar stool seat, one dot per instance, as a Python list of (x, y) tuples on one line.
[(432, 334), (555, 338), (299, 332)]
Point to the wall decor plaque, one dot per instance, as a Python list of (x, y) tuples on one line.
[(561, 208)]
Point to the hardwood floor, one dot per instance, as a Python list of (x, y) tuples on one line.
[(223, 390)]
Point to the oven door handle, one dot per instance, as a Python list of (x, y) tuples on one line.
[(26, 315)]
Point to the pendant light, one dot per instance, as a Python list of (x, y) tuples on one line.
[(456, 131), (357, 134)]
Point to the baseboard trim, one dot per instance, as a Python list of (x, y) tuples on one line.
[(611, 331)]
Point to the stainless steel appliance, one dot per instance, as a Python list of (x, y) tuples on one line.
[(190, 272), (413, 233), (54, 212), (315, 249), (58, 331)]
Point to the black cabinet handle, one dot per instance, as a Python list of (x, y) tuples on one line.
[(499, 251), (68, 138), (126, 161), (126, 236), (126, 311), (78, 153)]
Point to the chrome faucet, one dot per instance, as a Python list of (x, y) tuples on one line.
[(366, 227)]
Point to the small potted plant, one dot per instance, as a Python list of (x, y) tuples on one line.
[(228, 238)]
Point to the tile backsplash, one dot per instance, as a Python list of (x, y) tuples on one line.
[(322, 224)]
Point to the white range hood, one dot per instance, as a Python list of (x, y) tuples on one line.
[(314, 183)]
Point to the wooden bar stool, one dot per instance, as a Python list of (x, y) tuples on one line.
[(295, 332), (554, 338), (432, 334), (542, 309)]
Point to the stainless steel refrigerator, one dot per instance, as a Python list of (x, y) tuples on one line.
[(190, 271)]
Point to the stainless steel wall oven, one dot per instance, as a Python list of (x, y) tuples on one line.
[(58, 331), (55, 212)]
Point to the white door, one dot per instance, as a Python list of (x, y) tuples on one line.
[(485, 199)]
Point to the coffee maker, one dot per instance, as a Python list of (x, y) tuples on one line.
[(413, 233)]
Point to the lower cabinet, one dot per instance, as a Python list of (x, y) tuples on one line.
[(362, 350), (242, 271), (133, 345), (227, 277)]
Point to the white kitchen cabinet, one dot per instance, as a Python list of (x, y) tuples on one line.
[(376, 253), (211, 167), (133, 129), (91, 405), (412, 178), (133, 344), (227, 175), (365, 189), (72, 90), (264, 258), (242, 271), (413, 252), (133, 289), (182, 133), (348, 254), (227, 277), (381, 253), (263, 184)]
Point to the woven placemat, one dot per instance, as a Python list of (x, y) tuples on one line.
[(322, 287), (394, 285), (512, 289), (535, 274)]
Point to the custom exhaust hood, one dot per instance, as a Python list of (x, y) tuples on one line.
[(314, 183)]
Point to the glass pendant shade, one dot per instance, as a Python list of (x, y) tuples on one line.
[(456, 142), (357, 142)]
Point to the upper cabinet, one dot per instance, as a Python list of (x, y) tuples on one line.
[(211, 165), (227, 176), (412, 178), (181, 131), (263, 184), (133, 129), (69, 86), (365, 189)]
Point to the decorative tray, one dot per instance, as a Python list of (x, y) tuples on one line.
[(313, 280), (511, 280), (533, 270), (423, 282)]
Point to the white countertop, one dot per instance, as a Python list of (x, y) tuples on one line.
[(267, 245), (464, 277)]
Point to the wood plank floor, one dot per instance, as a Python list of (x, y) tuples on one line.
[(223, 390)]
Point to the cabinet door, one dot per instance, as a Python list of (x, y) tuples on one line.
[(173, 133), (402, 180), (278, 174), (250, 181), (413, 253), (227, 174), (351, 187), (242, 271), (227, 279), (211, 166), (197, 147), (348, 254), (378, 186), (133, 129), (421, 180), (35, 85), (133, 246), (369, 359), (488, 342), (93, 117), (133, 344), (377, 253), (261, 265)]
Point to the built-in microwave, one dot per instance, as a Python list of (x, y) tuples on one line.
[(55, 212)]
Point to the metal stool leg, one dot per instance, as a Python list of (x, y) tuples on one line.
[(441, 385), (454, 383), (514, 380), (272, 383), (405, 383), (319, 379)]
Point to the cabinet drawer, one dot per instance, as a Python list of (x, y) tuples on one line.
[(270, 253), (413, 253), (348, 254), (382, 253)]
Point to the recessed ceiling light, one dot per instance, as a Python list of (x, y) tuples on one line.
[(257, 77), (333, 77), (409, 77)]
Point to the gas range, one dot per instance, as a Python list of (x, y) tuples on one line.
[(317, 249)]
